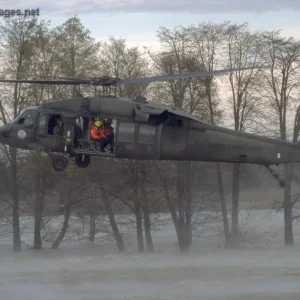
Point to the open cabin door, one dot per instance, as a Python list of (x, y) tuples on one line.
[(44, 134), (134, 140)]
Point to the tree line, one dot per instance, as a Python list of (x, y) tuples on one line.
[(261, 100)]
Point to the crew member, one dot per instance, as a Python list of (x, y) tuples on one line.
[(108, 134), (103, 133), (96, 132), (58, 129)]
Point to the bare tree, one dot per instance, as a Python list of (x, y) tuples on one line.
[(92, 208), (76, 52), (176, 58), (106, 188), (73, 190), (137, 190), (150, 200), (186, 94), (207, 40), (109, 210), (39, 176), (282, 93), (17, 49), (244, 50), (45, 64), (196, 196), (119, 60), (131, 196)]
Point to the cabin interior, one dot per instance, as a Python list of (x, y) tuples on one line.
[(140, 138), (82, 137)]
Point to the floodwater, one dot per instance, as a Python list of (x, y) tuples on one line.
[(86, 271)]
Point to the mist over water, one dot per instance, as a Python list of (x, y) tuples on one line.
[(263, 269)]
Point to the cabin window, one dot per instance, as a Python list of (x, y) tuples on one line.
[(126, 132), (147, 134)]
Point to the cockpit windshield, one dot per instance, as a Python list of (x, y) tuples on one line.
[(16, 120), (27, 117)]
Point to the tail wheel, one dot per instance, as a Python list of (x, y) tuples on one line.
[(60, 163), (82, 160)]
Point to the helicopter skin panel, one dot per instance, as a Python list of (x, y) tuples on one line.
[(158, 109), (173, 142), (215, 146), (203, 144), (241, 134), (117, 107)]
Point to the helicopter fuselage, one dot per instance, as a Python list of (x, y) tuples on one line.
[(143, 130), (175, 137)]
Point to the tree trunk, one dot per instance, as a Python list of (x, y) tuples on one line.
[(38, 217), (113, 223), (176, 222), (139, 229), (147, 224), (189, 230), (235, 204), (223, 206), (183, 237), (288, 206), (16, 223), (92, 227), (183, 245), (15, 202), (63, 231), (188, 222), (83, 224), (188, 201)]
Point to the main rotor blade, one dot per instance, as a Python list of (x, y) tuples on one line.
[(63, 82), (181, 76), (43, 76), (110, 81)]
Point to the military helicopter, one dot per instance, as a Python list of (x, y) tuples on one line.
[(144, 130)]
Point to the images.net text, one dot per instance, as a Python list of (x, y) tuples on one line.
[(6, 13)]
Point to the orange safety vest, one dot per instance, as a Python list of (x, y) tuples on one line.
[(95, 133)]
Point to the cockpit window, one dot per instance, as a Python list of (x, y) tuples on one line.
[(27, 118), (16, 120)]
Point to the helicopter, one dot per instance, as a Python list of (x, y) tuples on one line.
[(144, 130)]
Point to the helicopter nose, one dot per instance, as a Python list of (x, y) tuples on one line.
[(3, 133)]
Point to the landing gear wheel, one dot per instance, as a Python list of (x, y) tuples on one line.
[(60, 163), (82, 160)]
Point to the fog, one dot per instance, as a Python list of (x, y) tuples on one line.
[(262, 269)]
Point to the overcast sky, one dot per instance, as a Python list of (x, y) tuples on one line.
[(138, 20)]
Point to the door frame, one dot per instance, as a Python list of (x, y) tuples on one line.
[(37, 132)]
